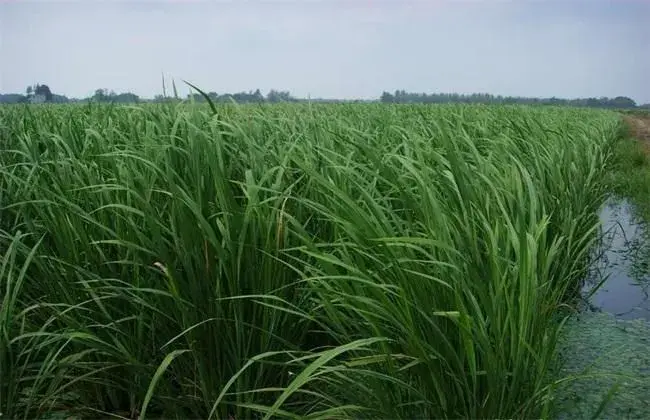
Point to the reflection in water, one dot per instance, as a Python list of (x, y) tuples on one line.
[(624, 264)]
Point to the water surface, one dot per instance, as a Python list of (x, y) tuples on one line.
[(623, 265)]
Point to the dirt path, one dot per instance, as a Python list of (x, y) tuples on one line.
[(639, 127)]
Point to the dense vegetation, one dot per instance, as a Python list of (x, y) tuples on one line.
[(330, 261)]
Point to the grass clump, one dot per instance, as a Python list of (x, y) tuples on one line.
[(295, 261)]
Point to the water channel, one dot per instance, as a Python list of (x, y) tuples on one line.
[(610, 341)]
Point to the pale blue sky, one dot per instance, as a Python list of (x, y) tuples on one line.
[(330, 48)]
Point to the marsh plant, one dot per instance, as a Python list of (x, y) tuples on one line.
[(291, 261)]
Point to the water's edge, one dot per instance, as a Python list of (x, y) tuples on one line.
[(610, 339)]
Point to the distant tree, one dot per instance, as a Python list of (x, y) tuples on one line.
[(12, 98), (101, 95), (126, 97), (45, 91), (196, 97), (387, 98), (104, 95), (257, 96), (623, 102), (279, 96), (59, 99)]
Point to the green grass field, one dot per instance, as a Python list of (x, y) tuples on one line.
[(292, 261)]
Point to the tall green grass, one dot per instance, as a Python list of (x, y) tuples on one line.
[(298, 261)]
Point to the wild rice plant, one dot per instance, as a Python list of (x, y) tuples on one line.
[(300, 261)]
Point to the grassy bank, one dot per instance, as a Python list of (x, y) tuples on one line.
[(628, 177), (630, 173), (293, 261)]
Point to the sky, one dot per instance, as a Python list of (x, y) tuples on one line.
[(329, 48)]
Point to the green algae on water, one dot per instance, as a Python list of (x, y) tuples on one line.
[(604, 352)]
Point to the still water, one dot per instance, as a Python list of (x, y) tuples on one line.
[(622, 265)]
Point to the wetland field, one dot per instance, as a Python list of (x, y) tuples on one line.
[(300, 261)]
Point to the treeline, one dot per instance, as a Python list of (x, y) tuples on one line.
[(33, 94), (106, 96), (41, 93), (17, 98), (403, 97), (273, 96)]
